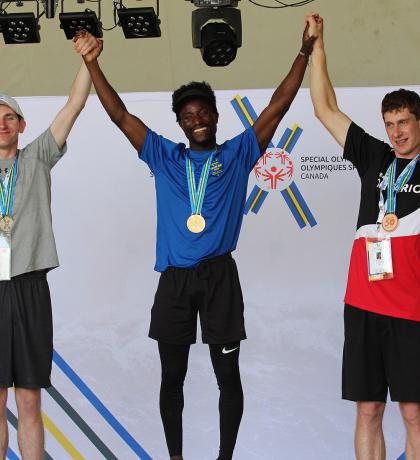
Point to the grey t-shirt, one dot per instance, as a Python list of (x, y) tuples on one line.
[(5, 167), (33, 243)]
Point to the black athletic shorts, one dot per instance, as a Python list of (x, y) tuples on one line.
[(380, 353), (211, 289), (26, 337)]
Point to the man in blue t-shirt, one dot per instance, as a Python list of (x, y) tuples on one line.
[(201, 193)]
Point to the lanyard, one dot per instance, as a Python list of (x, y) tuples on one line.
[(394, 186), (197, 193), (7, 189)]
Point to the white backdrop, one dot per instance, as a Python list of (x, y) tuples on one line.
[(293, 282)]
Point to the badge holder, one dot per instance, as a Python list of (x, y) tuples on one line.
[(379, 258), (5, 256)]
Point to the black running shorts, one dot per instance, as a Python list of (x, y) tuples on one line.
[(380, 353), (26, 337), (211, 289)]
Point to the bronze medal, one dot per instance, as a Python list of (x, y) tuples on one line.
[(6, 224), (196, 223), (390, 222)]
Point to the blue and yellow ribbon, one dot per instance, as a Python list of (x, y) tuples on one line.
[(7, 193), (197, 194)]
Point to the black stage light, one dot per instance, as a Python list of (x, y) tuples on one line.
[(217, 32), (71, 23), (139, 22), (19, 28), (214, 3)]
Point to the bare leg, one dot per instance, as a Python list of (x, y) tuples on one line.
[(4, 432), (30, 426), (411, 416), (369, 438)]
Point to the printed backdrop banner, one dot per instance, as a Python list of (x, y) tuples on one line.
[(292, 256)]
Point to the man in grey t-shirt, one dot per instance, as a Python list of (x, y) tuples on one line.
[(27, 252)]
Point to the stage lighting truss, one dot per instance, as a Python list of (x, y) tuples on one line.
[(24, 27), (217, 32), (214, 3)]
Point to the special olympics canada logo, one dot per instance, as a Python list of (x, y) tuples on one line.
[(274, 170)]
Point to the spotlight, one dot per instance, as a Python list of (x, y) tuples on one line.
[(217, 32), (139, 22), (71, 23), (19, 28)]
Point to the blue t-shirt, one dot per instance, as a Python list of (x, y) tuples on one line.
[(223, 203)]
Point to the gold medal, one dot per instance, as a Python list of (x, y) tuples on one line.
[(196, 223), (6, 224), (390, 222)]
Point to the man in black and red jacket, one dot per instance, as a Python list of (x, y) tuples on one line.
[(382, 301)]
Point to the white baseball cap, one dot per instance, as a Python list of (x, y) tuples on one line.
[(12, 103)]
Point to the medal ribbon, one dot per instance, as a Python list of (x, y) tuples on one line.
[(197, 194), (393, 187), (7, 189)]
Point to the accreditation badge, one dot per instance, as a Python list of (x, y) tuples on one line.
[(379, 257), (5, 256)]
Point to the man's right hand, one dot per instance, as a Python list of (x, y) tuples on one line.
[(88, 46), (316, 28)]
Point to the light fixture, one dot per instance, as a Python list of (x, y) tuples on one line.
[(214, 3), (139, 22), (217, 32), (71, 23), (19, 28), (24, 28)]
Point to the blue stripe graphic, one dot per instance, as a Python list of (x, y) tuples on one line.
[(248, 106), (240, 114), (99, 406), (11, 455), (303, 205), (284, 138), (260, 201), (292, 143), (250, 199), (292, 207)]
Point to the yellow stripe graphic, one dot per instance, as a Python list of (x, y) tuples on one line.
[(257, 197), (296, 203), (244, 110), (294, 128), (61, 438)]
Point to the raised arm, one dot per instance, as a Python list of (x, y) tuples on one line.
[(134, 129), (283, 96), (64, 120), (322, 91)]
